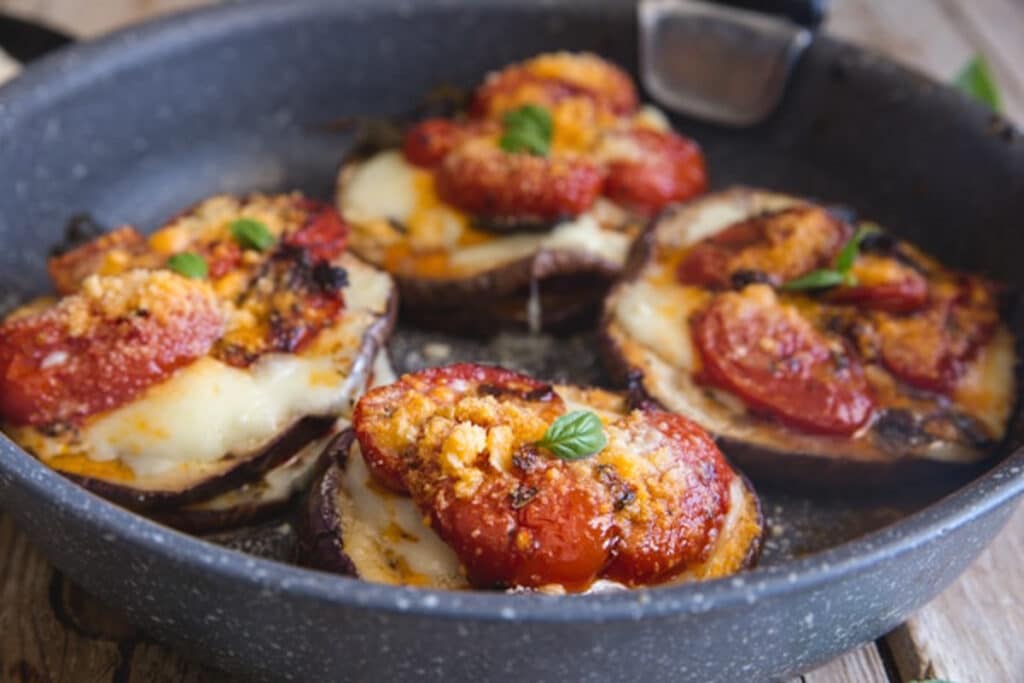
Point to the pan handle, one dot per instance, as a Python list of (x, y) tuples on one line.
[(807, 13), (25, 41)]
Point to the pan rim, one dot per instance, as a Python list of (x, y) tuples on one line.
[(78, 66)]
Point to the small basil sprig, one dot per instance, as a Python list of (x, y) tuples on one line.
[(975, 80), (252, 234), (839, 273), (575, 435), (189, 264), (527, 129)]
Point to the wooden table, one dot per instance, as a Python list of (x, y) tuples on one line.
[(972, 633)]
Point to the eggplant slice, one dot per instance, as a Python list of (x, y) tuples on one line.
[(537, 280), (647, 345), (354, 526), (274, 492), (336, 366)]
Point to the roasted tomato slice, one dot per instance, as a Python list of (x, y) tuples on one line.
[(462, 440), (388, 419), (930, 349), (677, 496), (98, 349), (778, 364), (429, 142), (549, 79), (773, 247), (323, 236), (884, 284), (649, 169), (483, 180), (108, 254)]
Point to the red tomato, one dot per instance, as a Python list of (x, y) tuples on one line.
[(776, 247), (489, 182), (778, 364), (931, 349), (707, 264), (666, 168), (540, 520), (686, 500), (69, 269), (325, 234), (886, 284), (582, 76), (73, 360), (900, 296), (551, 540), (428, 142)]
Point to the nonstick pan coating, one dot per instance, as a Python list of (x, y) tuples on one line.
[(237, 98)]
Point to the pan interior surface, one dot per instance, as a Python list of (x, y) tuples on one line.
[(242, 99)]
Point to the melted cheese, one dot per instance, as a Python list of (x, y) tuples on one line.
[(383, 187), (385, 537), (658, 318), (387, 188), (209, 409), (989, 387)]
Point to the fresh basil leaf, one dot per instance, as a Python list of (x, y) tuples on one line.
[(575, 435), (816, 279), (975, 80), (528, 128), (252, 234), (848, 254), (189, 264)]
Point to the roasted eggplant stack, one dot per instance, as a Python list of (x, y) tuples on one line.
[(472, 476), (519, 210), (187, 374), (816, 350)]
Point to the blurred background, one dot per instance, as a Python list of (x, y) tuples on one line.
[(937, 37)]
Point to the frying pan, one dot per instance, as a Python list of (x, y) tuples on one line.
[(137, 125)]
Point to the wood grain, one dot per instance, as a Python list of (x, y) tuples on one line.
[(863, 665), (974, 631), (51, 632)]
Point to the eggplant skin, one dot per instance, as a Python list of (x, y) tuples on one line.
[(320, 544), (825, 469), (243, 469)]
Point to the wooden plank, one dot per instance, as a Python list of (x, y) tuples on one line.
[(52, 632), (973, 632), (36, 645), (938, 38), (863, 665), (93, 17), (995, 28)]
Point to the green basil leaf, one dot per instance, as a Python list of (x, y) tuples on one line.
[(848, 254), (189, 264), (816, 279), (527, 129), (575, 435), (975, 80), (252, 234)]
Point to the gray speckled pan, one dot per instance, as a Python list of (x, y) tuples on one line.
[(145, 122)]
